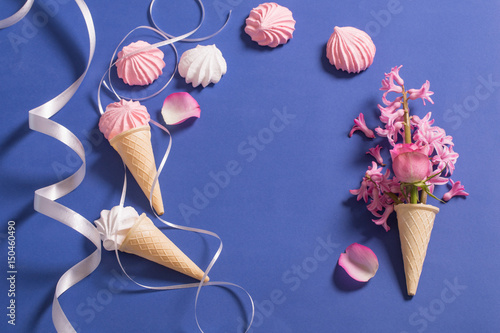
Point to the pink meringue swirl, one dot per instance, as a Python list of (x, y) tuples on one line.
[(270, 24), (122, 116), (350, 49), (141, 68)]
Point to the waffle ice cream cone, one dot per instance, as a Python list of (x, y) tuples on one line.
[(134, 147), (126, 125), (146, 240), (415, 222)]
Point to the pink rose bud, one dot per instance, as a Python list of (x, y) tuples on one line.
[(410, 162)]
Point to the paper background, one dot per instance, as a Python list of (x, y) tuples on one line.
[(285, 214)]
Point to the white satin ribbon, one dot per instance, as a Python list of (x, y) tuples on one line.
[(201, 21), (18, 16), (44, 201)]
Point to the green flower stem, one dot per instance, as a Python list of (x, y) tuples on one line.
[(423, 197), (414, 194), (407, 138)]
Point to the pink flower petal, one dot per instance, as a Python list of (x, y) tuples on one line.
[(359, 262), (178, 107)]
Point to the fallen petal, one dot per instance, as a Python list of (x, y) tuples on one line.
[(178, 107), (359, 262)]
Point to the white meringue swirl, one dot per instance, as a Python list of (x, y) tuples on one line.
[(114, 224), (202, 65)]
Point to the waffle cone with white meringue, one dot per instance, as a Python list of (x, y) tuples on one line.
[(146, 240)]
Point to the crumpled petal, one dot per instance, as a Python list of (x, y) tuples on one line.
[(359, 262), (178, 107)]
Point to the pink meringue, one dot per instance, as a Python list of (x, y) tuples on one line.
[(141, 68), (350, 49), (270, 24), (122, 116)]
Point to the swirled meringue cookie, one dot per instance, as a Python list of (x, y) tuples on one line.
[(141, 68), (114, 224), (350, 49), (202, 65), (270, 24), (122, 116)]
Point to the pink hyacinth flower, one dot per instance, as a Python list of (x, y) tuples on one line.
[(360, 125), (388, 85), (388, 82), (395, 75), (375, 152), (438, 180), (445, 157), (456, 189), (383, 219), (424, 93), (410, 162), (362, 192), (391, 132), (359, 262)]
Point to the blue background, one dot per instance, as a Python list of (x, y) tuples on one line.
[(288, 199)]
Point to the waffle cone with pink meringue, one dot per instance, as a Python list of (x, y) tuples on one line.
[(135, 149), (126, 125)]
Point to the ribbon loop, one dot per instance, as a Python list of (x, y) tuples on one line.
[(18, 16), (200, 39)]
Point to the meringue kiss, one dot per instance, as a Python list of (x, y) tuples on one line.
[(350, 49), (270, 24), (141, 68), (202, 65)]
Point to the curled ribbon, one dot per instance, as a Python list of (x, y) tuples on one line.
[(45, 198), (201, 20), (18, 16)]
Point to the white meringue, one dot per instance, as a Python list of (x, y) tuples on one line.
[(114, 225), (350, 49), (202, 65)]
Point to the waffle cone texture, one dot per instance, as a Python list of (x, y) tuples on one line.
[(415, 222), (134, 147), (145, 240)]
